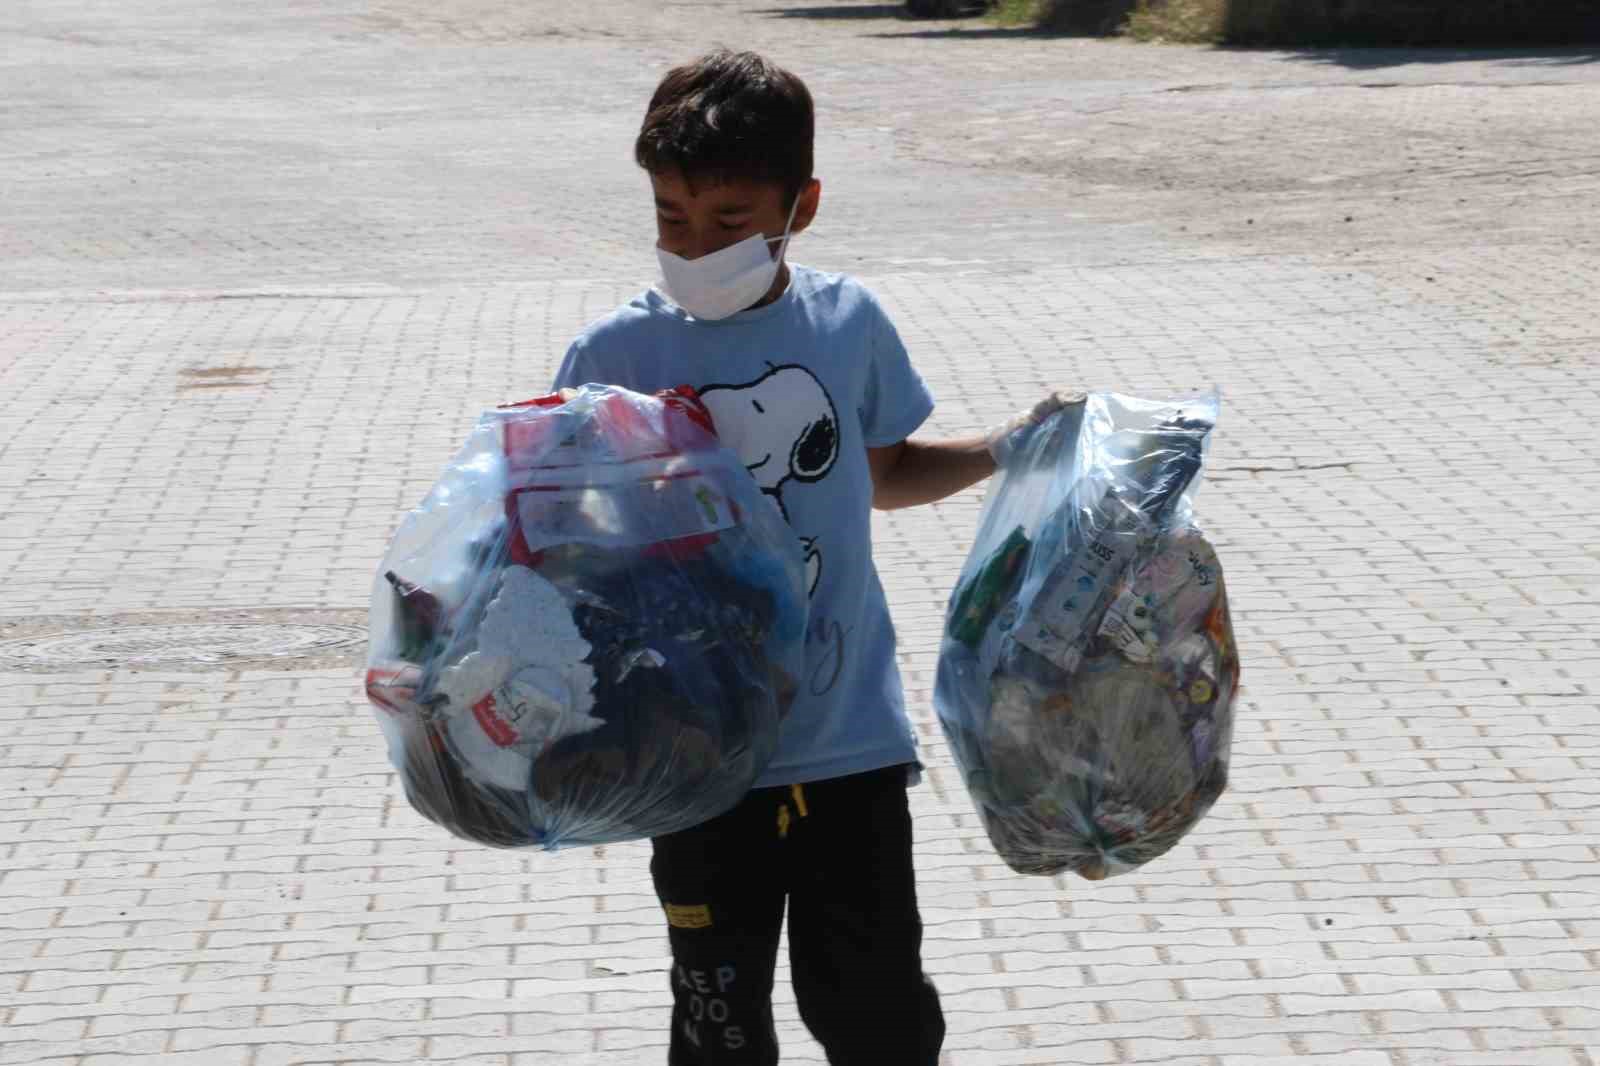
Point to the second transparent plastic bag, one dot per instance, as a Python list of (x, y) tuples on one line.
[(589, 630), (1088, 668)]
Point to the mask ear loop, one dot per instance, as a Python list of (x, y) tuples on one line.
[(788, 231)]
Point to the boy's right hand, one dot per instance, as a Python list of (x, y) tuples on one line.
[(1002, 439)]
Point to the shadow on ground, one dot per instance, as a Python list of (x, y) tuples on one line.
[(962, 33), (1314, 29), (1352, 58), (1380, 58), (839, 11), (866, 11)]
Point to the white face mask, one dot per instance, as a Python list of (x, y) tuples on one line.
[(726, 281)]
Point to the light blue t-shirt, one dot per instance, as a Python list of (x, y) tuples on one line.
[(799, 389)]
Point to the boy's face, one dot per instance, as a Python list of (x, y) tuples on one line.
[(697, 218)]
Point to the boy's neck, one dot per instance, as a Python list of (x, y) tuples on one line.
[(779, 284)]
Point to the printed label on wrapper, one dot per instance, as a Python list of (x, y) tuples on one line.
[(626, 515)]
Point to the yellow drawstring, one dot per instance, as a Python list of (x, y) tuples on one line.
[(799, 794)]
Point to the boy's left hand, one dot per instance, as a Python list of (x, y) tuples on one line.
[(1002, 439)]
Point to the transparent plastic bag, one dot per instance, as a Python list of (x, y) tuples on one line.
[(1088, 667), (589, 630)]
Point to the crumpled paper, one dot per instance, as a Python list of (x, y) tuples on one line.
[(524, 687)]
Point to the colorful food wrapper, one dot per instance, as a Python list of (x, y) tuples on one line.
[(1088, 669), (589, 630)]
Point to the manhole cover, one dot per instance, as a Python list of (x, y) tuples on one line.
[(177, 644)]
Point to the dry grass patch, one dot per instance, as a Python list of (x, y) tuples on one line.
[(1186, 21), (1089, 17)]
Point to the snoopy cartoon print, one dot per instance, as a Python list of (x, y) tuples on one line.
[(784, 428)]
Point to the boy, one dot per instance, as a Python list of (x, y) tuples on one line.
[(808, 382)]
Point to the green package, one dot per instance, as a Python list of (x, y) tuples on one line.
[(979, 600)]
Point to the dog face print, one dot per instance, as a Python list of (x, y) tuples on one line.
[(783, 426)]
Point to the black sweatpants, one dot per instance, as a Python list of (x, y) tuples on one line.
[(839, 853)]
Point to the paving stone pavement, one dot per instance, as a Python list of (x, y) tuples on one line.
[(260, 266)]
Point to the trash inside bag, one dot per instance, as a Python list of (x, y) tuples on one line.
[(589, 631), (1088, 668)]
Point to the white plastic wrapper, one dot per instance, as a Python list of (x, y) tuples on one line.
[(1088, 669), (589, 630)]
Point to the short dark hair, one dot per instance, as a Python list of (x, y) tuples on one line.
[(730, 116)]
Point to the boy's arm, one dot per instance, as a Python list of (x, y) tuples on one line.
[(916, 472)]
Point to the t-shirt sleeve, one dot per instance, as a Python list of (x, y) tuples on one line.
[(896, 400), (577, 368)]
